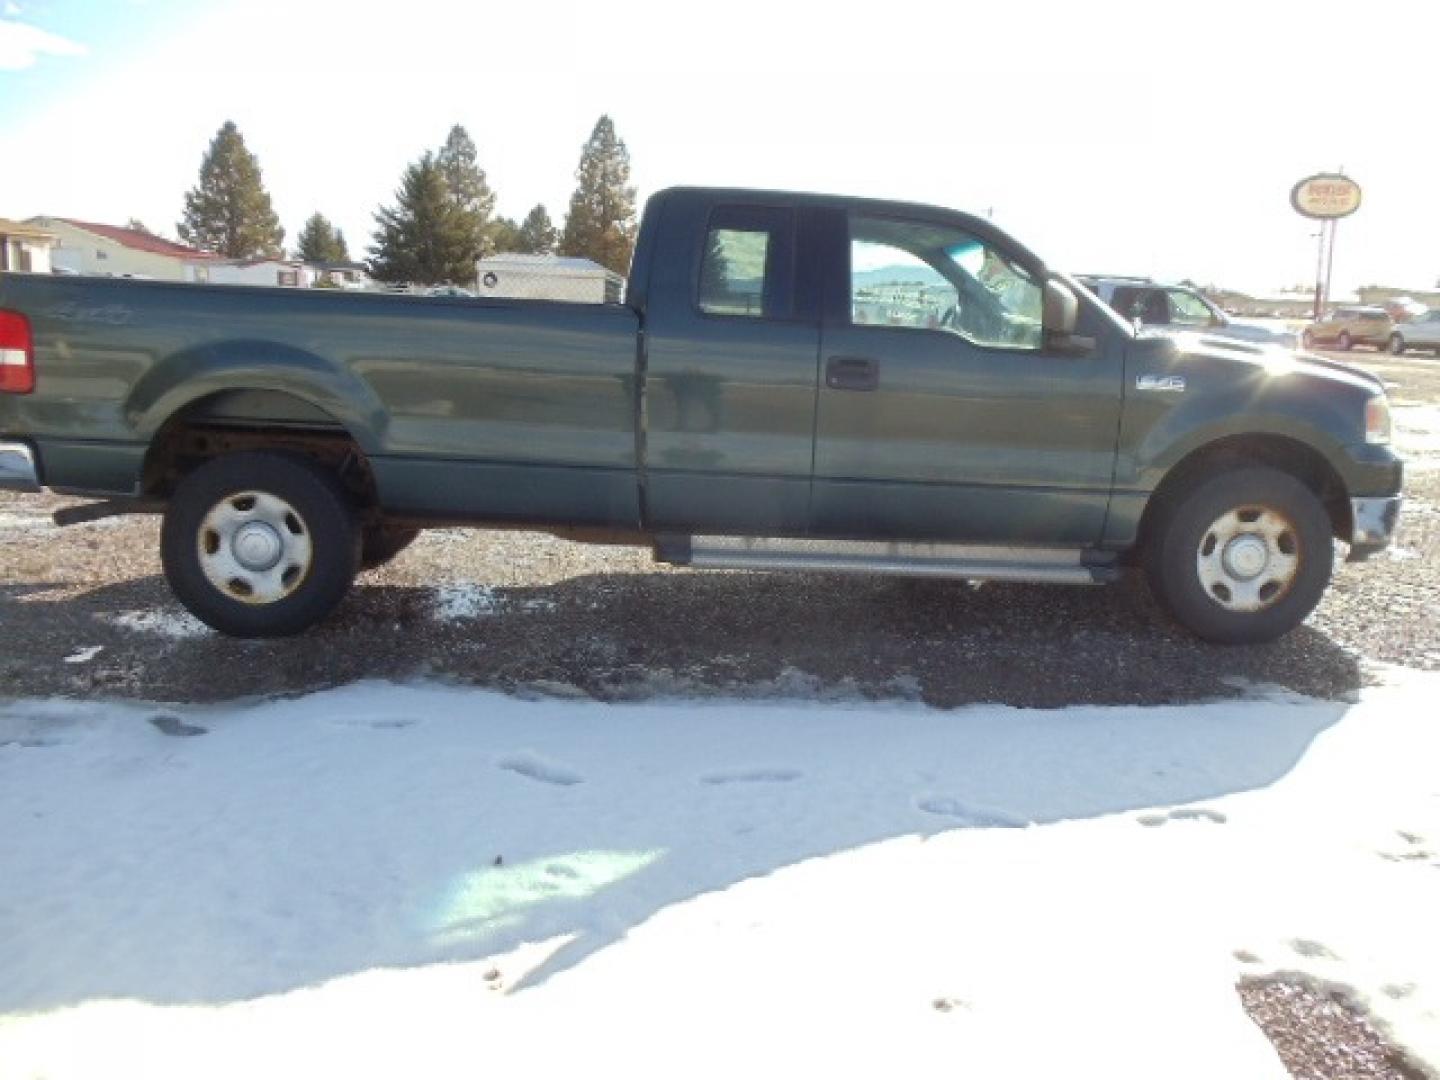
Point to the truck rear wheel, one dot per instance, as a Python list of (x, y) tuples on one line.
[(260, 544), (1241, 557)]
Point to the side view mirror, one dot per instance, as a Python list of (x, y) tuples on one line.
[(1060, 311)]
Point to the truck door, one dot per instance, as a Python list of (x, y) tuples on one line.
[(731, 347), (942, 415)]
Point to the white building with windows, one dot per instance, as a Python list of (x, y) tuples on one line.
[(24, 249), (88, 247)]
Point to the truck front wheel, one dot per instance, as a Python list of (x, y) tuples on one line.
[(1242, 556), (260, 544)]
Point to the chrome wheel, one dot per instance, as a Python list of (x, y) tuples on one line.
[(1248, 558), (254, 547)]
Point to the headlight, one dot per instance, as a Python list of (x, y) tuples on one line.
[(1377, 420)]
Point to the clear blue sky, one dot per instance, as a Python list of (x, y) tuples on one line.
[(1136, 137)]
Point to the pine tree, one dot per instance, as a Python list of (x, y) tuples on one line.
[(503, 235), (601, 221), (321, 242), (537, 232), (469, 190), (424, 238), (229, 210)]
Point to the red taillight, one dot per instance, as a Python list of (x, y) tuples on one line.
[(17, 354)]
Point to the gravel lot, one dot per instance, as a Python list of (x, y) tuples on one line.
[(86, 612)]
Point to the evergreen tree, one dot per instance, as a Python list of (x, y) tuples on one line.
[(229, 210), (601, 222), (424, 238), (321, 242), (469, 190), (537, 233), (503, 235)]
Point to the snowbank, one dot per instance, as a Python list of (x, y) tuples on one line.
[(428, 881)]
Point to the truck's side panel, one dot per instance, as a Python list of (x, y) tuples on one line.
[(1229, 390), (956, 440), (453, 400), (730, 398)]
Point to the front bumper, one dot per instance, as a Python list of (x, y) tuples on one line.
[(1373, 519), (18, 471)]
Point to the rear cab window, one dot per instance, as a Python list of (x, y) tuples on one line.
[(747, 266)]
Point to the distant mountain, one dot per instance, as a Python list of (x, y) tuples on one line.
[(899, 275)]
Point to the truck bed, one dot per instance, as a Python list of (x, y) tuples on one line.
[(507, 409)]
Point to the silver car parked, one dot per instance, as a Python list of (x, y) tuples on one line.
[(1421, 332), (1161, 307)]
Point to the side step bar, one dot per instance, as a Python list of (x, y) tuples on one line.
[(908, 558)]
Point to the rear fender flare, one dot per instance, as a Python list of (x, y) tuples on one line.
[(188, 376)]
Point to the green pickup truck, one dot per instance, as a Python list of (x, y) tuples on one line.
[(794, 382)]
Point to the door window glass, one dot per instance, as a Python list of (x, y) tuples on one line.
[(1187, 309), (923, 276)]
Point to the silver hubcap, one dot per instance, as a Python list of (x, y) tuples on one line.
[(254, 547), (1248, 558)]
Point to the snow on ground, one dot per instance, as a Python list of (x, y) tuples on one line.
[(466, 600), (422, 880), (177, 625), (1417, 428)]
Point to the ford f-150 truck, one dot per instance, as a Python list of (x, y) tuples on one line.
[(793, 382)]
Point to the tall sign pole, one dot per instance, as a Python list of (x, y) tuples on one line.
[(1320, 273), (1325, 197)]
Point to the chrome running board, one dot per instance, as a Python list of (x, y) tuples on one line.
[(976, 562)]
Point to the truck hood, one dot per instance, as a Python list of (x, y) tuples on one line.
[(1245, 357)]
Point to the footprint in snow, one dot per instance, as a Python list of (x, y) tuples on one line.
[(1413, 852), (752, 776), (173, 725), (1186, 813), (375, 723), (972, 816), (1313, 950), (533, 767)]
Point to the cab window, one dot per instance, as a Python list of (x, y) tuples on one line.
[(1187, 309), (747, 266), (921, 276)]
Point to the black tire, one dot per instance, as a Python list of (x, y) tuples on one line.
[(381, 543), (318, 514), (1344, 341), (1397, 345), (1175, 544)]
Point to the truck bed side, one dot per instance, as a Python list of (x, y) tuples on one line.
[(483, 409)]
